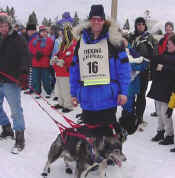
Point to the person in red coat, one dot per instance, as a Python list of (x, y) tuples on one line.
[(41, 48), (61, 64), (162, 48)]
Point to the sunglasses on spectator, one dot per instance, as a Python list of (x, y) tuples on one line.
[(96, 19)]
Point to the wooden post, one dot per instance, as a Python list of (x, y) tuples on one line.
[(114, 7)]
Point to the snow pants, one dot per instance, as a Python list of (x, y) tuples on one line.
[(62, 91), (164, 123)]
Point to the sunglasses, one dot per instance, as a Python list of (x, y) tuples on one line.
[(95, 19)]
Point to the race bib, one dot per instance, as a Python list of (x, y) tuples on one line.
[(94, 63)]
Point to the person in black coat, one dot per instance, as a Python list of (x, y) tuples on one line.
[(145, 45), (161, 90), (14, 61)]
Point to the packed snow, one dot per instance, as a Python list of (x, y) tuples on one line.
[(145, 159)]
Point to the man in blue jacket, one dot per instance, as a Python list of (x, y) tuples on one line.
[(100, 72)]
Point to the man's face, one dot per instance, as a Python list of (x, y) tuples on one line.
[(171, 46), (168, 29), (23, 30), (140, 27), (44, 33), (4, 29), (96, 24), (30, 32)]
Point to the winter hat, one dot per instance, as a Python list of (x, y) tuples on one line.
[(42, 28), (66, 15), (170, 24), (66, 19), (31, 27), (140, 20), (97, 10), (21, 27)]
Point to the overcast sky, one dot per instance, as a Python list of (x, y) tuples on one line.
[(163, 10)]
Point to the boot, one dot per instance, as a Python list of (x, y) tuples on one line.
[(169, 140), (159, 136), (47, 96), (20, 142), (28, 92), (7, 132), (154, 114), (172, 150), (66, 110), (57, 106), (55, 98)]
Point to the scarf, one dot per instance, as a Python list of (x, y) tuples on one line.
[(42, 40)]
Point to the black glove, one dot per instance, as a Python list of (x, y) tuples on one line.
[(129, 122), (39, 55), (169, 112)]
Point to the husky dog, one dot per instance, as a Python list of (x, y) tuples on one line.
[(95, 152)]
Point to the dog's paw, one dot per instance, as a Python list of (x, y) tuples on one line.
[(68, 170), (46, 174)]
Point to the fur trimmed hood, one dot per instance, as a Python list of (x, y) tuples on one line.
[(115, 36)]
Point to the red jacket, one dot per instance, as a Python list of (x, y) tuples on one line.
[(67, 56), (162, 47), (44, 62)]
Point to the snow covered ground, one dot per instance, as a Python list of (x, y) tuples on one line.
[(145, 159)]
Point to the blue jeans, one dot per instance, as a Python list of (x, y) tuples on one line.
[(11, 92)]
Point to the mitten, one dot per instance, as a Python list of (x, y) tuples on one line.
[(135, 60), (60, 62), (39, 55), (53, 60)]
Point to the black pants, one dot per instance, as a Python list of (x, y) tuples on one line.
[(141, 98), (103, 118)]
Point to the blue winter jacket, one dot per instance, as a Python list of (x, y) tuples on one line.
[(134, 86), (100, 97)]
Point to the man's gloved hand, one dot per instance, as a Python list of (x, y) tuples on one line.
[(135, 60), (159, 67), (60, 62), (39, 55), (74, 101), (169, 112), (53, 60)]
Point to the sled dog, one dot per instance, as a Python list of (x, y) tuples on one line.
[(95, 152)]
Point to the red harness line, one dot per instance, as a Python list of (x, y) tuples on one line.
[(61, 127)]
